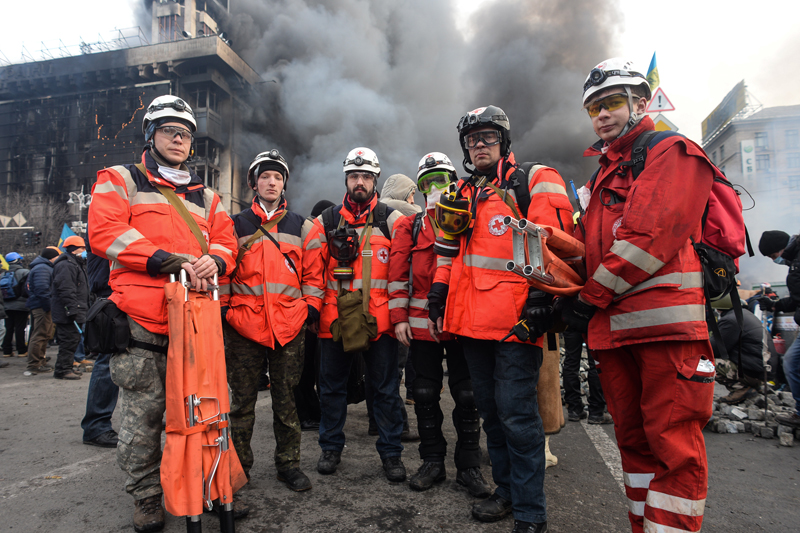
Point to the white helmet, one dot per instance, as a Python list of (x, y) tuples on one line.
[(611, 73), (167, 106), (363, 160), (269, 160), (434, 161)]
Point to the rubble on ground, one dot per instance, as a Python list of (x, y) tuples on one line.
[(749, 416)]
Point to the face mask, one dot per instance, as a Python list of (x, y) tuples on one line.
[(779, 260), (174, 175), (434, 196)]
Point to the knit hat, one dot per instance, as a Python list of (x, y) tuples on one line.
[(49, 253), (772, 241), (321, 206)]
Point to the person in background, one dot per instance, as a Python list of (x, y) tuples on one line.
[(573, 349), (69, 304), (39, 281), (16, 305)]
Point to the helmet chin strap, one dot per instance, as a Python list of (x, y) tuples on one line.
[(634, 118)]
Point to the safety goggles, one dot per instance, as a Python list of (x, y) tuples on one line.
[(611, 103), (363, 176), (489, 138), (177, 105), (598, 76), (172, 131), (440, 180)]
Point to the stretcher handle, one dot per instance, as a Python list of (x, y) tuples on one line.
[(213, 287)]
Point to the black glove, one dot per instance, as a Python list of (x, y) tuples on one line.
[(313, 315), (576, 314), (766, 303), (437, 299), (538, 313)]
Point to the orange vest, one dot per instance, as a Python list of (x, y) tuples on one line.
[(268, 302), (485, 300), (379, 285), (134, 226)]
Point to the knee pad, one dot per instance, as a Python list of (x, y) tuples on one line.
[(464, 397), (426, 395)]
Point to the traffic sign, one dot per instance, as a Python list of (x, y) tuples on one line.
[(663, 124), (659, 102)]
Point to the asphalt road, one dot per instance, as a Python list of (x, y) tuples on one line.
[(50, 481)]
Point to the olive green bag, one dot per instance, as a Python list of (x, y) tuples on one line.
[(355, 326)]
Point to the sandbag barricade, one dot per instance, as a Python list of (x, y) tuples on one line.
[(199, 463)]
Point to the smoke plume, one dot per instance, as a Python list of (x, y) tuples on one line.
[(397, 75)]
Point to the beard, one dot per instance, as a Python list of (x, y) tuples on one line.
[(360, 195)]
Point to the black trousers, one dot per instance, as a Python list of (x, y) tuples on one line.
[(427, 358), (15, 328), (573, 346), (68, 340)]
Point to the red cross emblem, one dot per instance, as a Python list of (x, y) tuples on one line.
[(496, 226), (383, 255), (360, 152)]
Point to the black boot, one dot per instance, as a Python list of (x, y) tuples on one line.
[(492, 509), (529, 527), (429, 473), (473, 480), (148, 515), (328, 461)]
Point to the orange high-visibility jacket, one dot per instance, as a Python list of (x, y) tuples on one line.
[(484, 300), (379, 284), (645, 277), (268, 301), (134, 226)]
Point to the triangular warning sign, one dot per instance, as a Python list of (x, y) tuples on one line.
[(659, 103)]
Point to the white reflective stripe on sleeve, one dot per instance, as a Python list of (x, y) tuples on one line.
[(687, 280), (398, 303), (546, 186), (610, 281), (334, 285), (419, 303), (109, 186), (652, 527), (398, 286), (313, 244), (485, 262), (220, 248), (415, 322), (675, 504), (282, 288), (637, 481), (288, 238), (658, 317), (441, 260), (636, 256), (225, 289), (122, 242), (374, 284), (636, 508), (308, 290)]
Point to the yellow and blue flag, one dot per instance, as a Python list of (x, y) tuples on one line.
[(65, 232), (652, 74), (3, 264)]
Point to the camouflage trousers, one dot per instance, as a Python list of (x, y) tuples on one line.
[(244, 360), (727, 375), (141, 376)]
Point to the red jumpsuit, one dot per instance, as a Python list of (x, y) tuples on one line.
[(649, 333)]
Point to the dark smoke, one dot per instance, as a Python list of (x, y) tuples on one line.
[(397, 75)]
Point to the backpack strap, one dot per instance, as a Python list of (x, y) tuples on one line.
[(380, 219), (328, 223), (416, 226)]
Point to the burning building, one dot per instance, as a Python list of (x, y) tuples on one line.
[(65, 118)]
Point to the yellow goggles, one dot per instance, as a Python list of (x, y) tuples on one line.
[(611, 103)]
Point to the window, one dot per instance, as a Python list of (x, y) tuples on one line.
[(169, 28), (714, 157), (793, 160), (792, 140), (721, 153), (762, 162), (794, 182), (762, 141)]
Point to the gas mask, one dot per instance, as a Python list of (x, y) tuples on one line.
[(453, 218), (343, 246)]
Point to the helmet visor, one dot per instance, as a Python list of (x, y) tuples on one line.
[(439, 179), (611, 103), (489, 138)]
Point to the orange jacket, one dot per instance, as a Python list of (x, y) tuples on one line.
[(644, 275), (267, 300), (381, 247), (134, 226), (484, 300)]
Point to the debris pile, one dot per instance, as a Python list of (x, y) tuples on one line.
[(749, 416)]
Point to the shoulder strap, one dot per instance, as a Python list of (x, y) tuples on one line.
[(380, 219), (366, 263), (263, 230), (176, 202), (416, 226), (327, 220)]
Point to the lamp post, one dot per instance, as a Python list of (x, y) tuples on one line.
[(82, 201)]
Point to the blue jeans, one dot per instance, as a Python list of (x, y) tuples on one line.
[(504, 379), (382, 374), (80, 353), (101, 400), (791, 367)]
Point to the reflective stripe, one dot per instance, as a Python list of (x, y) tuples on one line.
[(610, 281), (288, 238), (225, 289), (415, 322), (308, 290), (220, 209), (636, 508), (149, 198), (441, 260), (122, 242), (636, 256), (675, 504), (489, 263), (220, 248), (398, 286), (658, 317), (130, 185), (356, 284), (398, 303), (109, 186), (687, 280), (637, 481), (546, 186), (652, 527), (241, 288), (419, 303), (313, 244)]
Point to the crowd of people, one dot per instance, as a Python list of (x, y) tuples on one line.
[(376, 279)]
